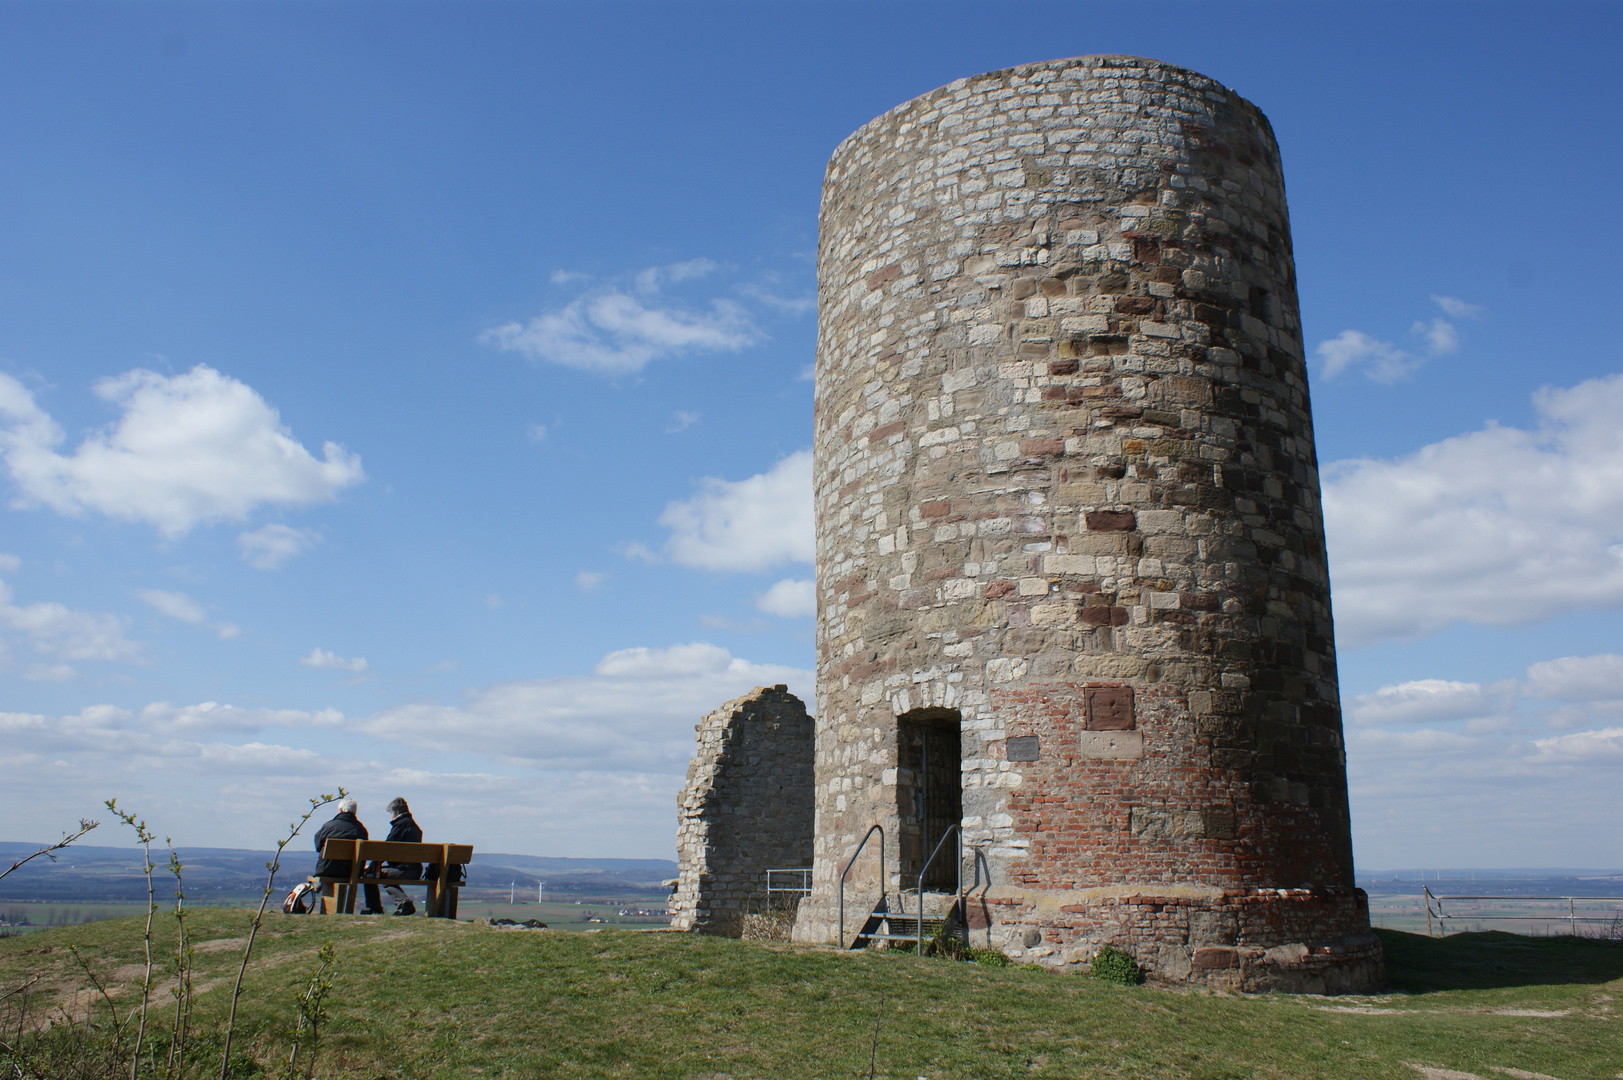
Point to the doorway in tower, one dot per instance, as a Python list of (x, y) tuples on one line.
[(929, 793)]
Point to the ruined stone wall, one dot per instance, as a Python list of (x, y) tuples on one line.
[(746, 808), (1066, 486)]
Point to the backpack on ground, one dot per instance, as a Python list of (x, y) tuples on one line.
[(302, 900)]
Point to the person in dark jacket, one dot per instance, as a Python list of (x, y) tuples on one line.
[(345, 826), (402, 829)]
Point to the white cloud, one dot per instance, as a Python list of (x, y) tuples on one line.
[(570, 766), (698, 658), (1588, 747), (173, 604), (789, 305), (634, 713), (1455, 307), (749, 524), (40, 672), (1382, 361), (180, 606), (1483, 797), (55, 632), (1578, 678), (492, 601), (321, 658), (165, 762), (1595, 683), (1500, 526), (1439, 335), (215, 718), (1426, 701), (651, 279), (269, 546), (250, 788), (614, 331), (683, 421), (791, 598), (638, 553), (9, 563), (587, 580), (536, 432), (187, 449)]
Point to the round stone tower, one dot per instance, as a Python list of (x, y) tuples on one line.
[(1072, 592)]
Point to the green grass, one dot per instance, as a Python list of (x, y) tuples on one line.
[(426, 998)]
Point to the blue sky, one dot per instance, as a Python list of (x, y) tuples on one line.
[(416, 398)]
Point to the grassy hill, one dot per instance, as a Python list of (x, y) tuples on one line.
[(427, 998)]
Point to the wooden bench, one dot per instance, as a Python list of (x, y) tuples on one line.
[(338, 893)]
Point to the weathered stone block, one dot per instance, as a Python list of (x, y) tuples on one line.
[(1022, 748), (1111, 744), (1213, 928), (1214, 959), (1109, 708), (1110, 520)]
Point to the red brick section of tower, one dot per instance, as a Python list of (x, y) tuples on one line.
[(1071, 563)]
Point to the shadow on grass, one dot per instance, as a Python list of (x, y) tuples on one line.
[(1417, 964)]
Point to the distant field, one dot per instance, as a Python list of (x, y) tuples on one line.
[(30, 916), (562, 915), (431, 999)]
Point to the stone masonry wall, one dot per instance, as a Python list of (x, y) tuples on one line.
[(1066, 486), (746, 808)]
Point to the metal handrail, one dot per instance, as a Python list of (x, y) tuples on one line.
[(805, 873), (952, 830), (803, 889), (852, 861), (1571, 918)]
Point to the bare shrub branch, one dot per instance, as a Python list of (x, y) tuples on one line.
[(85, 825), (248, 950)]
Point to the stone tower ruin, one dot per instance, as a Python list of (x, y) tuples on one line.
[(746, 809), (1072, 587)]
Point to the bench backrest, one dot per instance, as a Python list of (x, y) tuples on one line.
[(345, 851)]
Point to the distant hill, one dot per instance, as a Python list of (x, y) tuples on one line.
[(1508, 882), (90, 873)]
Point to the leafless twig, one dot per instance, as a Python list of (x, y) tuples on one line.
[(31, 981), (146, 839), (873, 1048), (175, 1063), (85, 825), (112, 1010), (248, 950)]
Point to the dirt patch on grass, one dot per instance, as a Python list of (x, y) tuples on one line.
[(220, 944), (1427, 1072)]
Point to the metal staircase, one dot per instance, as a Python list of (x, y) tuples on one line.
[(884, 925)]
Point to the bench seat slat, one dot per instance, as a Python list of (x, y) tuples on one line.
[(344, 851)]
